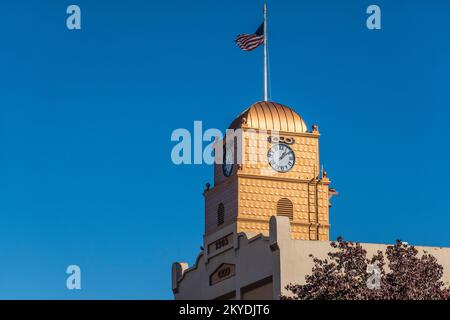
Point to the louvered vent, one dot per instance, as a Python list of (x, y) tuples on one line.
[(285, 208), (220, 214)]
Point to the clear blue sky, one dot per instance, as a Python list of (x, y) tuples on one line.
[(86, 117)]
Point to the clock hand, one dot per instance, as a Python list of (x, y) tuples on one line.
[(283, 155)]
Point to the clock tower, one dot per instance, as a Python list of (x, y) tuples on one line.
[(266, 212), (269, 167)]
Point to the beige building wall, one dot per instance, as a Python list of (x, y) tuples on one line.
[(259, 267), (252, 261)]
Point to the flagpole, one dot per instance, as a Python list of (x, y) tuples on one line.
[(265, 52)]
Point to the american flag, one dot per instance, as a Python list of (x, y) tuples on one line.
[(249, 42)]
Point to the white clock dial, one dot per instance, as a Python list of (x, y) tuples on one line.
[(281, 157), (227, 165)]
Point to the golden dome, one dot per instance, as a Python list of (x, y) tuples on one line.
[(270, 116)]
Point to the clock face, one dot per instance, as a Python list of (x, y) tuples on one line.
[(227, 166), (281, 157)]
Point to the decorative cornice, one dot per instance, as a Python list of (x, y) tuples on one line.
[(274, 178), (286, 133), (293, 223)]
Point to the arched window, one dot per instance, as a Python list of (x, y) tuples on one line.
[(220, 214), (285, 208)]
